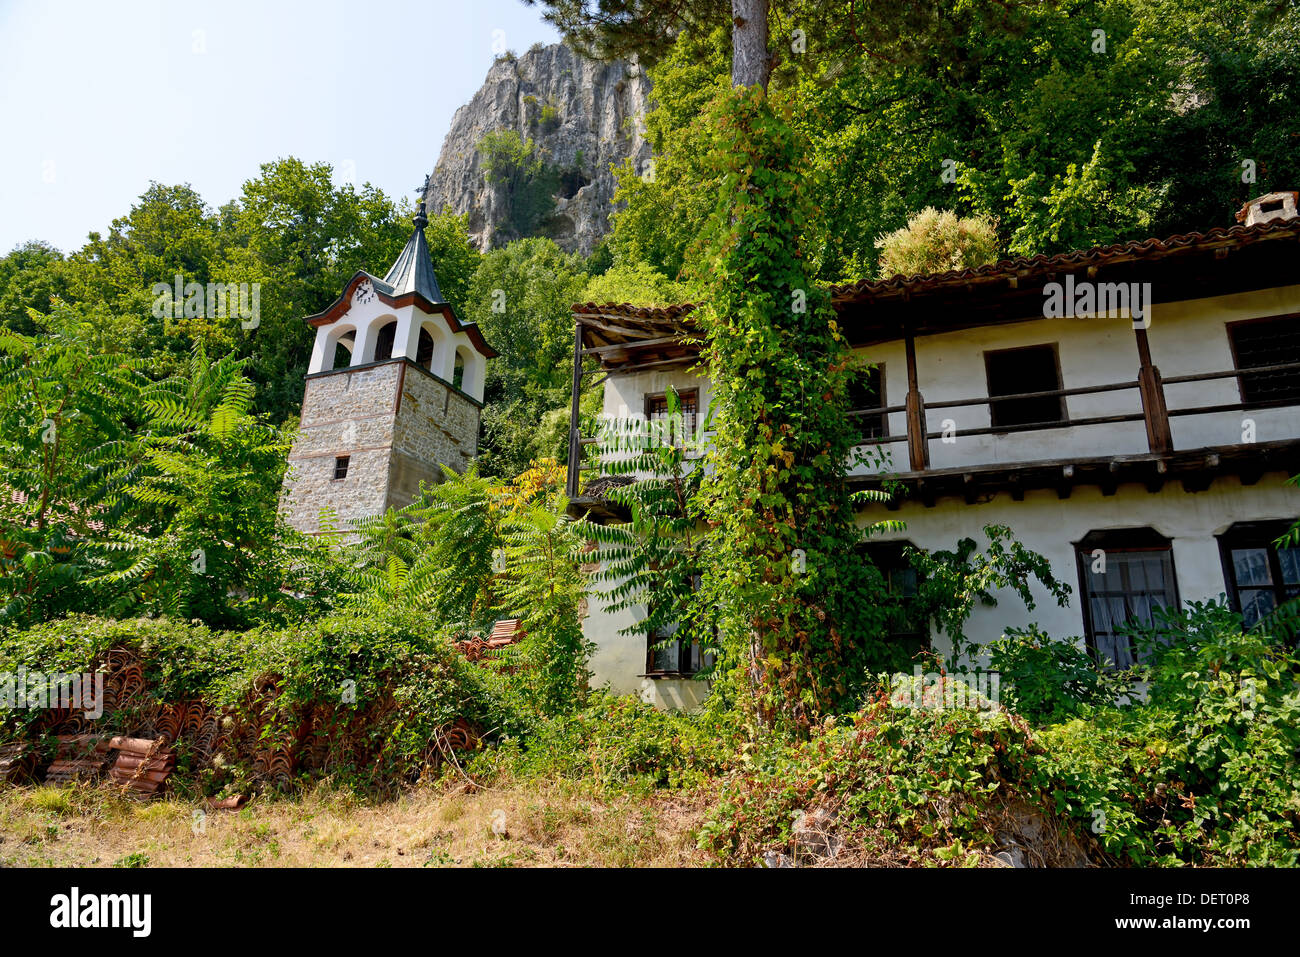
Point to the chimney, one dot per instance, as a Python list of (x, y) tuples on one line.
[(1268, 207)]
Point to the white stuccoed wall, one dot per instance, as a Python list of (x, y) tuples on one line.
[(1050, 526), (1186, 337)]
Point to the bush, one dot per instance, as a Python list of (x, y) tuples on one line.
[(1207, 771), (619, 742), (934, 241), (384, 687), (912, 784), (1045, 680)]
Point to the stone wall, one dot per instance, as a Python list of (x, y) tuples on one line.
[(435, 424), (392, 445)]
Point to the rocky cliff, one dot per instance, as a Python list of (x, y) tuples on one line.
[(582, 116)]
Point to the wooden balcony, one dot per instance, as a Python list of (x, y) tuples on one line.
[(1195, 466)]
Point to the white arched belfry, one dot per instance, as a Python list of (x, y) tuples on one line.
[(424, 328)]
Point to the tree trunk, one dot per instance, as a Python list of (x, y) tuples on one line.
[(750, 61)]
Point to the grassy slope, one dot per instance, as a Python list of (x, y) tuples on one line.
[(545, 825)]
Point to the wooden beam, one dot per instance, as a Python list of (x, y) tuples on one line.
[(575, 439), (1154, 410), (918, 446)]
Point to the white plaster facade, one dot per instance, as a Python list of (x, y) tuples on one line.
[(1186, 337)]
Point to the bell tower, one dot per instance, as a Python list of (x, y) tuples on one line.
[(394, 391)]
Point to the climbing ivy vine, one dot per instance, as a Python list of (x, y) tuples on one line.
[(797, 609)]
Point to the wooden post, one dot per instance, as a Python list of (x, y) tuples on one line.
[(918, 447), (575, 443), (1151, 386)]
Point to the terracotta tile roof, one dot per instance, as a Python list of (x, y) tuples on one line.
[(1218, 237)]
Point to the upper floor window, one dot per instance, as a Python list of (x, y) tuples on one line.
[(1016, 372), (1259, 576), (341, 463), (867, 393), (656, 409), (1124, 575), (1267, 342)]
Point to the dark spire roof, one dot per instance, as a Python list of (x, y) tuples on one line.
[(413, 272)]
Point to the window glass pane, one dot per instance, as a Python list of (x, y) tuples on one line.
[(1269, 343), (1255, 604), (1250, 566), (1134, 584), (1115, 649), (668, 657), (902, 581), (1289, 558)]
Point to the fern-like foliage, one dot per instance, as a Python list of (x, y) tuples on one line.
[(653, 561)]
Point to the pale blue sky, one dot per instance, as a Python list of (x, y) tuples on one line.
[(98, 97)]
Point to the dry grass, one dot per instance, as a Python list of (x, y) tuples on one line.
[(540, 825)]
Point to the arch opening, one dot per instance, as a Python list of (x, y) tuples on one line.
[(458, 369), (384, 340), (424, 349)]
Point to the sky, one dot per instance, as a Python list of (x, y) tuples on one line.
[(99, 98)]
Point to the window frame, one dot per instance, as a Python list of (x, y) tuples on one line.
[(1003, 427), (344, 462), (693, 394), (878, 370), (892, 554), (1139, 538), (1254, 534), (1229, 329), (693, 651), (706, 658)]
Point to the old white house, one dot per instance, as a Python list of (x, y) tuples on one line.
[(1161, 431)]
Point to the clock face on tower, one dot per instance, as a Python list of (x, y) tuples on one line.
[(364, 294)]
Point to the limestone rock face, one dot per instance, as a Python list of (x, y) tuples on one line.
[(580, 114)]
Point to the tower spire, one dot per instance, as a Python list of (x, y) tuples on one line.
[(413, 272)]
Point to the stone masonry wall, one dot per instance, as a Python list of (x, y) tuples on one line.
[(435, 424), (391, 445)]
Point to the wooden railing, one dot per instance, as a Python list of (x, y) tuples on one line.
[(1155, 412)]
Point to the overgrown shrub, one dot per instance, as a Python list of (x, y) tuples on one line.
[(398, 675), (1046, 680), (619, 742), (1204, 772), (1207, 771), (911, 784)]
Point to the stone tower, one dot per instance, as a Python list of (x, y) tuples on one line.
[(394, 390)]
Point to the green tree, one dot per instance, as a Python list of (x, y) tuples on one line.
[(65, 419), (521, 297), (302, 238), (31, 277)]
